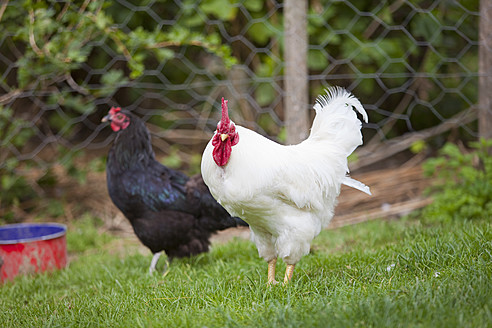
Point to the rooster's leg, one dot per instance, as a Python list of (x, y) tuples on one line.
[(271, 271), (288, 273), (153, 263)]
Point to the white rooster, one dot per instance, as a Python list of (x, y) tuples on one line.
[(286, 194)]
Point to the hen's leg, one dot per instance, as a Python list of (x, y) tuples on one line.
[(271, 271), (288, 273), (153, 263)]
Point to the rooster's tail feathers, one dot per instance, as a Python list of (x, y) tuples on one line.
[(339, 96), (336, 123)]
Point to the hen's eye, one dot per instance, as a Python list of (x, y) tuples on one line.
[(119, 116)]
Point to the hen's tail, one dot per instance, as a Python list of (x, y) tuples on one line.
[(337, 127), (213, 216)]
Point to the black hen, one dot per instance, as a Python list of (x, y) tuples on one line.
[(168, 210)]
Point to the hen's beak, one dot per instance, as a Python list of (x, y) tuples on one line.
[(106, 118), (224, 136)]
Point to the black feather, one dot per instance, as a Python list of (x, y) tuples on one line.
[(168, 210)]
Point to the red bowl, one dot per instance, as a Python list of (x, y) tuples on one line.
[(31, 247)]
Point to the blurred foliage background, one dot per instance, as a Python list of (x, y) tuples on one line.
[(412, 63)]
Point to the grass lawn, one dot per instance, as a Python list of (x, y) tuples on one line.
[(375, 274)]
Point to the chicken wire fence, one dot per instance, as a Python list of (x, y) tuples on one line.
[(412, 63)]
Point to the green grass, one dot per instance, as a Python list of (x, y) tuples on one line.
[(376, 274)]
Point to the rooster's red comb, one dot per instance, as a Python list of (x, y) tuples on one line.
[(225, 115)]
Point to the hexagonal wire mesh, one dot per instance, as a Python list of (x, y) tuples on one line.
[(413, 64)]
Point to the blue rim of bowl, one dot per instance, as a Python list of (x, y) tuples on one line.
[(25, 240)]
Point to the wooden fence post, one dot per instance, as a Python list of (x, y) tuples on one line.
[(296, 73)]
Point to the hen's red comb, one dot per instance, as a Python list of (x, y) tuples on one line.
[(225, 115), (114, 110)]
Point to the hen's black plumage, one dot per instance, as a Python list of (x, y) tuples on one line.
[(168, 210)]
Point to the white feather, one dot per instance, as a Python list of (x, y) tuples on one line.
[(348, 181), (287, 194), (336, 93)]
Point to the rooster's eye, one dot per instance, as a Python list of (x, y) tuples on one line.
[(119, 116)]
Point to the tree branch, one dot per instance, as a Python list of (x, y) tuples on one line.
[(74, 85), (2, 9), (399, 144), (32, 40)]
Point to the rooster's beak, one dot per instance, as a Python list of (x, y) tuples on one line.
[(224, 136), (106, 118)]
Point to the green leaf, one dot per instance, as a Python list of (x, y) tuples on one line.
[(265, 94), (78, 53), (112, 80), (24, 71), (386, 16), (315, 20), (418, 146), (253, 5), (193, 20), (79, 104), (426, 26), (137, 69), (266, 68), (113, 77), (222, 9), (353, 158), (173, 160), (164, 54), (260, 32), (282, 135), (102, 20), (22, 136), (317, 60)]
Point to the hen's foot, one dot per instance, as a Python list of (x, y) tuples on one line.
[(153, 263)]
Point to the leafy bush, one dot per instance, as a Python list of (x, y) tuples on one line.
[(13, 133), (62, 59), (464, 187)]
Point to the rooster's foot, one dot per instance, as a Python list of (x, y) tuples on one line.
[(288, 273), (271, 272)]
